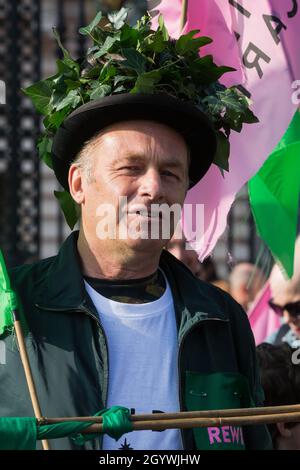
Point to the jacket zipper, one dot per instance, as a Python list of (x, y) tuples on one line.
[(97, 320), (179, 364), (87, 312)]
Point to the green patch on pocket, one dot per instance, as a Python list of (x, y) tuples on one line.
[(217, 391)]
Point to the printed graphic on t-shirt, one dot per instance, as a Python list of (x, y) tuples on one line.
[(125, 444)]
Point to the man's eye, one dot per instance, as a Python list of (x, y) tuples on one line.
[(169, 173), (130, 168)]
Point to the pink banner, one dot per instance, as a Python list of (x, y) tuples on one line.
[(262, 319), (259, 39)]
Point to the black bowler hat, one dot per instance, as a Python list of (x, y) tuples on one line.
[(92, 117)]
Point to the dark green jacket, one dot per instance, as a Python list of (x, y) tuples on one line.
[(69, 356)]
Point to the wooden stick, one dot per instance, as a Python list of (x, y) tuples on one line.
[(28, 372), (183, 14), (261, 411), (163, 424)]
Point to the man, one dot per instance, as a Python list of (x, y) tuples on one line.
[(245, 281), (120, 321)]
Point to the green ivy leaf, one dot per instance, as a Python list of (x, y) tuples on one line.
[(73, 84), (119, 89), (214, 104), (68, 206), (187, 43), (107, 46), (68, 68), (44, 147), (87, 30), (60, 90), (145, 82), (99, 91), (108, 71), (40, 94), (206, 71), (134, 60), (118, 18), (129, 37), (72, 99), (162, 28), (92, 49), (121, 79), (249, 117), (87, 74), (67, 56), (53, 121), (232, 100), (234, 121), (223, 149), (155, 42)]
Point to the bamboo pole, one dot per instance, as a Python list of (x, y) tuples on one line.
[(158, 425), (260, 411), (183, 17), (28, 372)]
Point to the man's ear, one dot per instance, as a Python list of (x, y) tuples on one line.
[(283, 430), (75, 179)]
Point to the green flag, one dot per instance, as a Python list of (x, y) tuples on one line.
[(274, 197), (8, 299), (22, 433)]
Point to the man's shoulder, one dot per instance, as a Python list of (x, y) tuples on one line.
[(32, 272), (203, 291)]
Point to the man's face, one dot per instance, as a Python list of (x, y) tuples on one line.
[(143, 161)]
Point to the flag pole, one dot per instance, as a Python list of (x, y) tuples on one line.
[(11, 317), (204, 414), (28, 372), (163, 424), (183, 18)]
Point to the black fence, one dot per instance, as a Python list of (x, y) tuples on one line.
[(19, 126)]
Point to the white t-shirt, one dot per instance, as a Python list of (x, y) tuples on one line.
[(143, 371)]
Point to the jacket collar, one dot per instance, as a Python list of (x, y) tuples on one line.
[(194, 300), (63, 287)]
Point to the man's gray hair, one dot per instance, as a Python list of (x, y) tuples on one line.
[(85, 161)]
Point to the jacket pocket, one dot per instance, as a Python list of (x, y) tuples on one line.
[(215, 392)]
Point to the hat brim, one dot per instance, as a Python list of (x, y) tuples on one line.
[(92, 117)]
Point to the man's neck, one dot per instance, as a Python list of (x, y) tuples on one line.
[(99, 260)]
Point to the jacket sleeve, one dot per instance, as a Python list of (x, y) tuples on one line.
[(256, 436)]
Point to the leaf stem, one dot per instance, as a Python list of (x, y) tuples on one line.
[(81, 96)]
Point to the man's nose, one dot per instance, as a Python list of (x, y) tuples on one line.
[(151, 185)]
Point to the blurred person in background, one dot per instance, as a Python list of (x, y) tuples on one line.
[(280, 378), (285, 302), (245, 281), (205, 271)]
